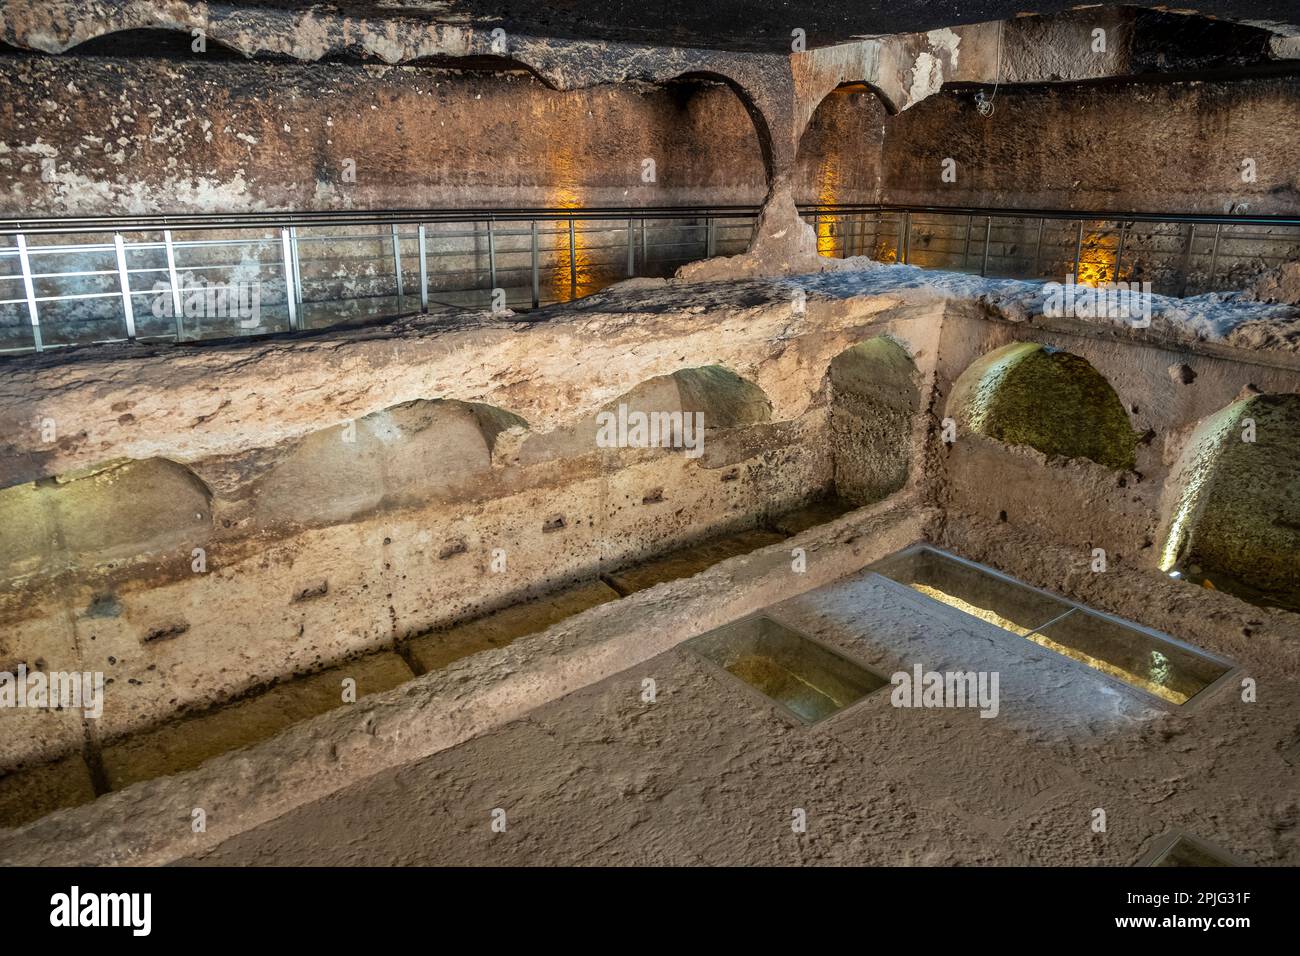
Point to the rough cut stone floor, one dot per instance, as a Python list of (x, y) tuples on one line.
[(710, 774)]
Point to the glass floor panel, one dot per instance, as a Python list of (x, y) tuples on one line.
[(1166, 670), (1151, 662), (1183, 849), (974, 590), (802, 676)]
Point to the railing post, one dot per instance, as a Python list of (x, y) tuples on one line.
[(29, 290), (573, 259), (290, 294), (1187, 260), (297, 264), (420, 235), (1214, 257), (537, 266), (173, 278), (631, 246), (988, 241), (845, 225), (124, 277), (1119, 252), (397, 263), (1078, 249), (1038, 248)]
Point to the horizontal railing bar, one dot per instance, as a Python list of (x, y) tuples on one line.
[(79, 295), (1087, 215), (65, 225), (269, 220), (676, 233)]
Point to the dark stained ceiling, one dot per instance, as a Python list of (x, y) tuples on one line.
[(758, 25)]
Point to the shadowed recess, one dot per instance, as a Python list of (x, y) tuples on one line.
[(875, 392), (718, 396), (1052, 401), (402, 454), (117, 510), (1236, 525)]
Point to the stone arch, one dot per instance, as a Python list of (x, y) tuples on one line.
[(114, 511), (837, 162), (762, 127), (152, 41), (723, 399), (485, 63), (875, 397), (1234, 519), (406, 453), (1050, 400)]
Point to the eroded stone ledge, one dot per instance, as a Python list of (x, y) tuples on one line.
[(150, 823)]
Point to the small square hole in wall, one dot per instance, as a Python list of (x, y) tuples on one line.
[(802, 676), (1179, 848)]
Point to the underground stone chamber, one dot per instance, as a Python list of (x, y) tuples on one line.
[(671, 535), (358, 555)]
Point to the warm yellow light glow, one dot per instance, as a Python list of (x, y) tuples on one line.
[(828, 190), (1204, 447), (1097, 259), (983, 613), (1160, 664), (572, 276), (1128, 677)]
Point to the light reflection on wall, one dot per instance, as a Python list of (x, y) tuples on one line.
[(828, 186), (571, 276), (1097, 259), (992, 371), (1203, 451), (885, 251)]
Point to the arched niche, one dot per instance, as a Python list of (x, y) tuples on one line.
[(875, 396), (1235, 520), (711, 395), (1047, 399), (115, 511), (407, 453), (837, 163)]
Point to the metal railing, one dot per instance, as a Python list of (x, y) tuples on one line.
[(207, 276), (184, 278), (1179, 255)]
